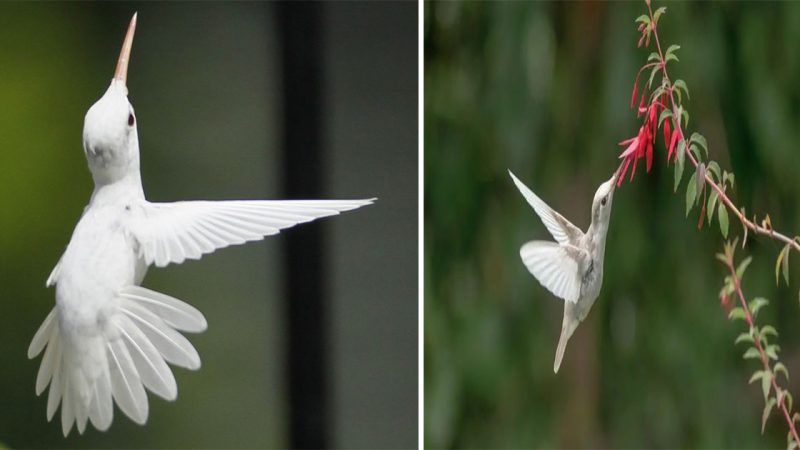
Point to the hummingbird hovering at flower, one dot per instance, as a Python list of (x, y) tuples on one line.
[(572, 267), (108, 338)]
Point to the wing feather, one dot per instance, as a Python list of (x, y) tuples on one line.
[(563, 231), (173, 232), (554, 267)]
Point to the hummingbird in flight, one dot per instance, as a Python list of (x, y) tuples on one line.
[(108, 338), (572, 267)]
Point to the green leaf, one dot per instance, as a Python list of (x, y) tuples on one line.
[(752, 353), (772, 351), (779, 367), (680, 84), (685, 115), (695, 151), (713, 167), (712, 202), (659, 12), (653, 56), (700, 180), (722, 215), (768, 329), (679, 166), (743, 337), (701, 140), (785, 265), (765, 415), (652, 75), (736, 313), (756, 304), (672, 48), (691, 193), (664, 115), (670, 57), (766, 384), (758, 374), (778, 262), (644, 18), (743, 266), (731, 177), (787, 398)]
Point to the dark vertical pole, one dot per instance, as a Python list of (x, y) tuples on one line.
[(300, 30)]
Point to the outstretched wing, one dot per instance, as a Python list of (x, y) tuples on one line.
[(562, 230), (172, 232), (557, 267)]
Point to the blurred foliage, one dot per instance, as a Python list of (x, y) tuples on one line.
[(544, 89)]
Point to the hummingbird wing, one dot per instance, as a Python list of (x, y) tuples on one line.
[(173, 232), (557, 267), (563, 231)]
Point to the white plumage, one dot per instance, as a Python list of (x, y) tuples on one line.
[(572, 267), (108, 339)]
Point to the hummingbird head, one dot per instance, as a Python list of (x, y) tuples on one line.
[(601, 205), (110, 139)]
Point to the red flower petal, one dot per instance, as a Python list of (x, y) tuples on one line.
[(649, 155), (666, 133), (672, 143), (635, 89)]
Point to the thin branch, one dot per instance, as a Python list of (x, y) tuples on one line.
[(758, 229), (757, 340)]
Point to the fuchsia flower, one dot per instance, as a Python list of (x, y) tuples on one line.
[(640, 146)]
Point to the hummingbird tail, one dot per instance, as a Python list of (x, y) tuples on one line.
[(566, 332), (87, 368)]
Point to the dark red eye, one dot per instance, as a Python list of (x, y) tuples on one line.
[(131, 120), (603, 201)]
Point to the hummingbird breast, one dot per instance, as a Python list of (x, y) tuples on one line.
[(99, 261)]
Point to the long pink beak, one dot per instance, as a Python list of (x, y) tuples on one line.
[(125, 54)]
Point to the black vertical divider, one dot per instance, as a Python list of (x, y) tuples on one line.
[(302, 64)]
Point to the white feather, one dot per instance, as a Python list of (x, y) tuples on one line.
[(563, 231), (172, 232), (172, 345), (554, 267), (175, 313), (42, 336), (126, 386), (152, 369)]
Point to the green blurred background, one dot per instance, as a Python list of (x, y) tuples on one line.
[(205, 79), (544, 89)]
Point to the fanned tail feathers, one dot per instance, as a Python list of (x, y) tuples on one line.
[(87, 374)]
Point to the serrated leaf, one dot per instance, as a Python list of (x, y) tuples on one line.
[(691, 193), (758, 374), (722, 216), (752, 353), (652, 75), (779, 367), (672, 48), (756, 304), (765, 415), (681, 160), (680, 84), (659, 12), (778, 263), (766, 384), (701, 178), (664, 115), (701, 141), (768, 329), (785, 265), (772, 351), (712, 201), (736, 313), (713, 167), (743, 337), (743, 266)]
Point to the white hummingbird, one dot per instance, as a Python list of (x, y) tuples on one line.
[(107, 337), (572, 267)]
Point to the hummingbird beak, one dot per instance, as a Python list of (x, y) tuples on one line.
[(614, 178), (125, 54)]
